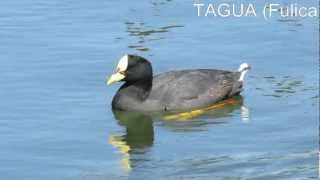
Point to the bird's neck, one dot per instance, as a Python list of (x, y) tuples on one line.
[(138, 89)]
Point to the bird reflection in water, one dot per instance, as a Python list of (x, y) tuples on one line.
[(139, 134), (137, 138)]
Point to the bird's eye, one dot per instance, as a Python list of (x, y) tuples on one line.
[(122, 72)]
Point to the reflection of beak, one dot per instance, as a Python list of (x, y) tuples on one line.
[(116, 77)]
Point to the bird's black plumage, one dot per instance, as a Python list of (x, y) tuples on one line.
[(175, 90)]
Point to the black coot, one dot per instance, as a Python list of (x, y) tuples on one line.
[(172, 91)]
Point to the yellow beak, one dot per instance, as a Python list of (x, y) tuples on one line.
[(116, 77)]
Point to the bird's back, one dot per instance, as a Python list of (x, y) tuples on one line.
[(188, 89)]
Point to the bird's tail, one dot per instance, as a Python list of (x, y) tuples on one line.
[(243, 69)]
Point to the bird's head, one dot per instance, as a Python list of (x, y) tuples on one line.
[(131, 68)]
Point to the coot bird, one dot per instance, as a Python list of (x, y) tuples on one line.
[(172, 91)]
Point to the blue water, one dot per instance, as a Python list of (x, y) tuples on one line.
[(56, 120)]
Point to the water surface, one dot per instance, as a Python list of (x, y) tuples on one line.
[(56, 120)]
